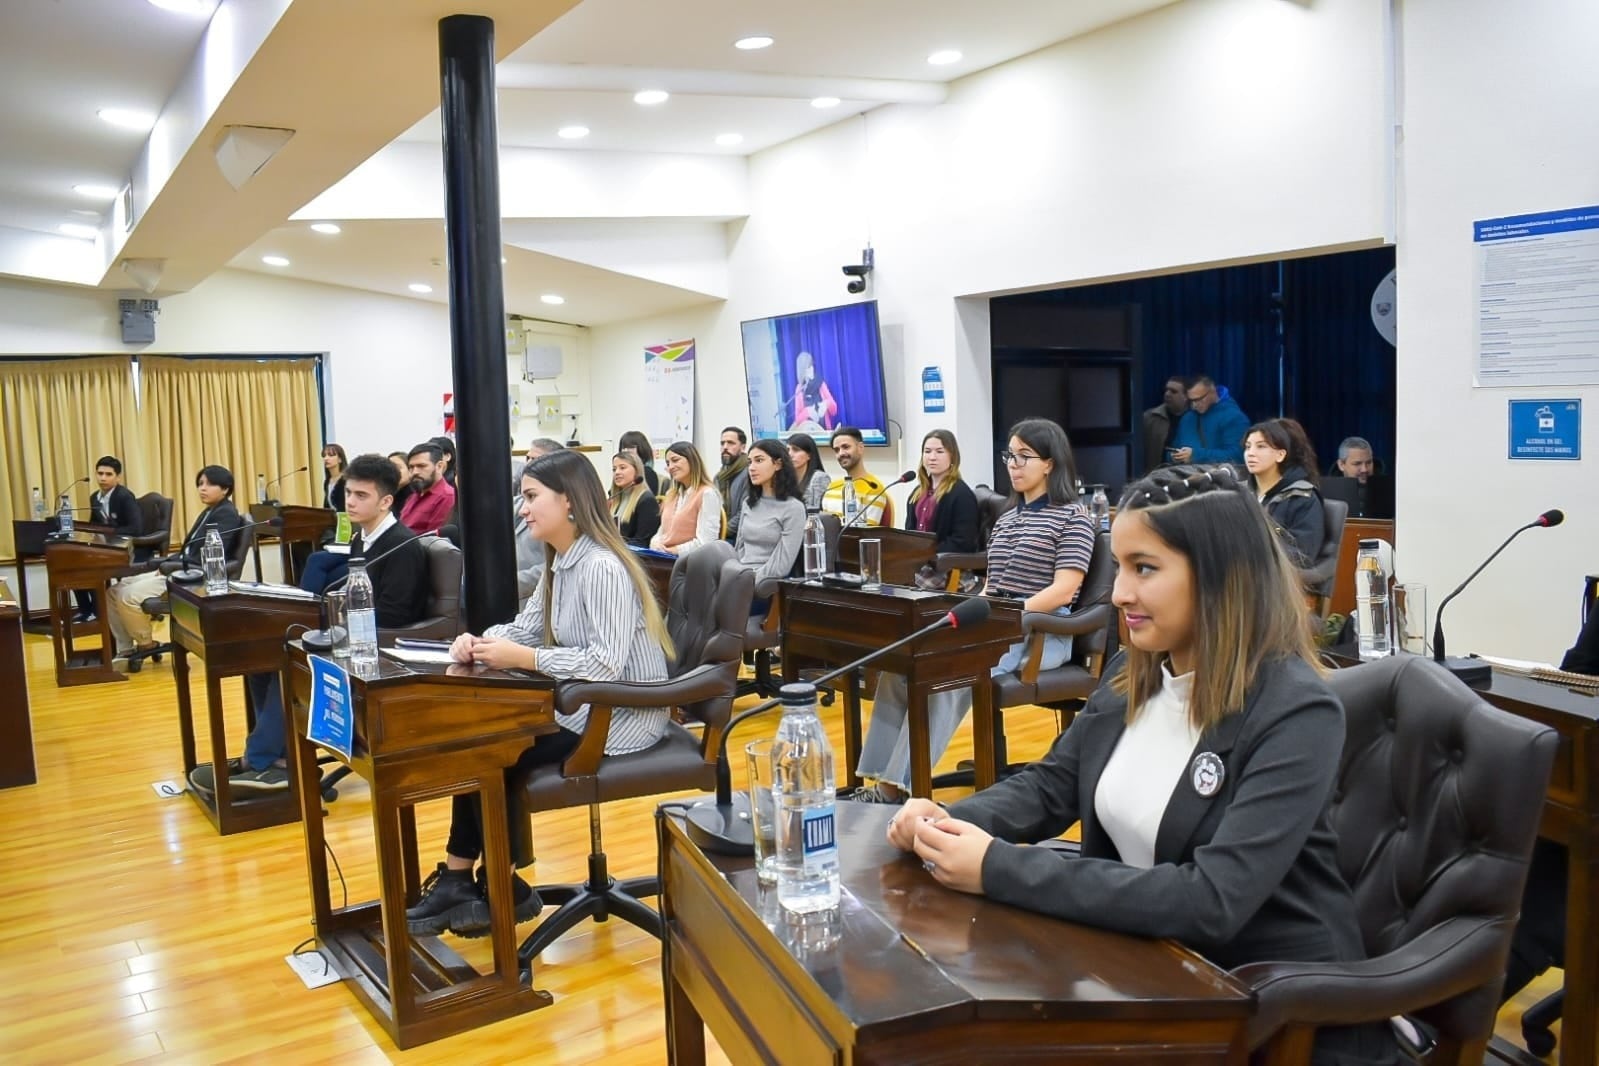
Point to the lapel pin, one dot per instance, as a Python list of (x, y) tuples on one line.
[(1208, 773)]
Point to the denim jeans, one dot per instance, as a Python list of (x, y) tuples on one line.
[(268, 741)]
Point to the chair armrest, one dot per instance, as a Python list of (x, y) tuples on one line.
[(767, 587), (944, 562), (704, 682), (1452, 958), (172, 564), (1076, 624)]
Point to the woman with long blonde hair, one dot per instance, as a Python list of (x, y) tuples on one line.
[(942, 503), (633, 505), (691, 510), (593, 617)]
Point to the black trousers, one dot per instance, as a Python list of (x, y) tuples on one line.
[(1539, 941), (466, 817)]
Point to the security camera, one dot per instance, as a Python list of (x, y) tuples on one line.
[(857, 272)]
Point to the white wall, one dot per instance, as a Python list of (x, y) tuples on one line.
[(1498, 120)]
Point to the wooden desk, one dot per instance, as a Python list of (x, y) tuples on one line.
[(16, 723), (421, 733), (919, 973), (834, 626), (234, 635), (28, 537), (299, 536), (1355, 531), (83, 560), (904, 552)]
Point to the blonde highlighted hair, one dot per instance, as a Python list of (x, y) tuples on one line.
[(623, 501), (924, 483)]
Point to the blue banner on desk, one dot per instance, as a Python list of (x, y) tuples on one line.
[(1546, 429), (331, 722)]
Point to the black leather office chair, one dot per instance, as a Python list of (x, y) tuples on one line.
[(158, 607), (958, 569), (709, 606), (762, 634), (155, 511), (1436, 807), (1319, 576)]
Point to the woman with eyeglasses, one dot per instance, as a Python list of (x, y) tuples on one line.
[(1039, 553)]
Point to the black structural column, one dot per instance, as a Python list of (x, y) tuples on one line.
[(477, 316)]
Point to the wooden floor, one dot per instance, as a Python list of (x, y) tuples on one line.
[(134, 933)]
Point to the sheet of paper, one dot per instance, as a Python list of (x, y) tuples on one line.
[(264, 588), (418, 655)]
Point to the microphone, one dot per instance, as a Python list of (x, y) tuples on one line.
[(69, 486), (724, 826), (907, 476), (191, 575), (1476, 671), (280, 477), (322, 639)]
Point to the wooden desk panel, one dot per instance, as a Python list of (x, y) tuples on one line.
[(16, 722), (911, 972), (83, 560), (904, 552)]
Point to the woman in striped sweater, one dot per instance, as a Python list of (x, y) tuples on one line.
[(593, 617)]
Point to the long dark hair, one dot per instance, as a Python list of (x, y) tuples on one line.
[(785, 485), (1287, 435), (813, 455), (1248, 605), (639, 443), (1047, 439), (344, 462)]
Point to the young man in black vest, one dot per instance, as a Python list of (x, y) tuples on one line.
[(112, 506)]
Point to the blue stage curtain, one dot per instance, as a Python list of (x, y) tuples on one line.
[(843, 343)]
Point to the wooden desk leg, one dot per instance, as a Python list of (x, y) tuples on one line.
[(303, 767), (1579, 1021), (219, 749), (852, 727), (497, 860), (685, 1029), (921, 757), (60, 637), (408, 856), (985, 764), (180, 677), (391, 895)]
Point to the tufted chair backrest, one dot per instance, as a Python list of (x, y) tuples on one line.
[(709, 605), (1438, 799)]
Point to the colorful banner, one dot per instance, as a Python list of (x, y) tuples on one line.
[(669, 391)]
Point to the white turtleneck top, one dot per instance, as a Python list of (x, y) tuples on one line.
[(1149, 762)]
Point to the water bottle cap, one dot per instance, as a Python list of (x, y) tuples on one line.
[(800, 694)]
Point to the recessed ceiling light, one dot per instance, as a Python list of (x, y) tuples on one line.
[(126, 118), (651, 97), (944, 57), (417, 286), (728, 140), (572, 133), (329, 228), (79, 230), (274, 261), (97, 192), (753, 43), (552, 299), (186, 7), (823, 102)]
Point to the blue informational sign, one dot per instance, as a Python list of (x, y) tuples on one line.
[(932, 390), (330, 722), (1546, 429)]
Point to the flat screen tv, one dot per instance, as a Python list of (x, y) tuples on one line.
[(815, 371)]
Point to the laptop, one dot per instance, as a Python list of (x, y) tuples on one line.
[(1374, 499)]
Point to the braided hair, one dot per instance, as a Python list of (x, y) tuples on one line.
[(1249, 607)]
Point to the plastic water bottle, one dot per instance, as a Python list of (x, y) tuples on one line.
[(802, 785), (64, 515), (851, 504), (362, 613), (815, 548), (1101, 508), (214, 561), (1371, 602), (260, 488), (38, 505)]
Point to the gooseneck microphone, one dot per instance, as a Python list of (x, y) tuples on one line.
[(69, 486), (191, 575), (724, 826), (860, 512), (322, 639), (1475, 671), (280, 477)]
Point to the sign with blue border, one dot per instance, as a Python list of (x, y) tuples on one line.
[(932, 390), (330, 722), (1546, 429)]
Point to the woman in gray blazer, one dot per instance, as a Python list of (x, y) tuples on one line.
[(1201, 770)]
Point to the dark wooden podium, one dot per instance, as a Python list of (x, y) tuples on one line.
[(28, 536), (905, 551), (16, 723), (919, 973), (832, 626), (83, 559), (235, 635), (299, 536), (421, 733)]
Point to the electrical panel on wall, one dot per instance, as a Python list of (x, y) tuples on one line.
[(550, 413), (542, 362)]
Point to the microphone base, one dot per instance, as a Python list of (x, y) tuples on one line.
[(187, 577), (1472, 671), (318, 640), (721, 830)]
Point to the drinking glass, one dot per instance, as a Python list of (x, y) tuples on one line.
[(1410, 617), (871, 563), (763, 813), (336, 606)]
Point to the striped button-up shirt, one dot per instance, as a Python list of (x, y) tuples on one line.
[(598, 634)]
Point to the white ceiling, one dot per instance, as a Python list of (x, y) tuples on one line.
[(564, 62)]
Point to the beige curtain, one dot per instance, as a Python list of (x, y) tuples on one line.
[(57, 416), (251, 416)]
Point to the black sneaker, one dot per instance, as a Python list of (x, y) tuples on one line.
[(443, 892), (471, 920), (203, 777), (272, 779)]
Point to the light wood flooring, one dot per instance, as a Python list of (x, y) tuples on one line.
[(133, 933)]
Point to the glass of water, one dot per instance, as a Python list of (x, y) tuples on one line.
[(763, 815), (871, 563), (1410, 617), (336, 607)]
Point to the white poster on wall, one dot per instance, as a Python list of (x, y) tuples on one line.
[(1538, 298), (669, 390)]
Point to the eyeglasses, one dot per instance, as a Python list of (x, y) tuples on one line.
[(1017, 458)]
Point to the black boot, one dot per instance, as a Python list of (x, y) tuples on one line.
[(443, 891), (472, 919)]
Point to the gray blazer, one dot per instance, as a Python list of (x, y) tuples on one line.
[(1247, 874)]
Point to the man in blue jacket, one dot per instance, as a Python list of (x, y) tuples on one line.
[(1213, 429)]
